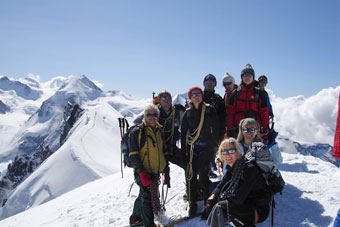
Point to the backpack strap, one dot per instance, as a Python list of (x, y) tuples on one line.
[(256, 100), (142, 136)]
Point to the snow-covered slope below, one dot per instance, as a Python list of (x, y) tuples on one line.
[(310, 198), (91, 152)]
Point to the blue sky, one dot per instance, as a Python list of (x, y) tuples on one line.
[(142, 46)]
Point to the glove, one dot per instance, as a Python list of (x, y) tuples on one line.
[(145, 178), (167, 177), (208, 207), (265, 138), (271, 135)]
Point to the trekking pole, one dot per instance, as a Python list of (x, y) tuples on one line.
[(273, 206), (123, 126), (127, 124), (164, 198), (121, 136)]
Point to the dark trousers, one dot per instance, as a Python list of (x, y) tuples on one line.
[(142, 209), (199, 178)]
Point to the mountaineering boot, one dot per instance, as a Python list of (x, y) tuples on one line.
[(192, 208)]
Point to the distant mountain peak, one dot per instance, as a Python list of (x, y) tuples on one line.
[(21, 89), (76, 83)]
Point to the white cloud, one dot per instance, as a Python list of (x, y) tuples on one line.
[(310, 119)]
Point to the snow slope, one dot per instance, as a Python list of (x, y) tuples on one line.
[(310, 198), (92, 151)]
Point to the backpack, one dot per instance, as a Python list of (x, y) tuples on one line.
[(259, 154), (125, 131)]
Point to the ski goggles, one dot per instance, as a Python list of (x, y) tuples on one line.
[(165, 97), (227, 83), (247, 75), (196, 94), (210, 79), (152, 115), (230, 151), (252, 130)]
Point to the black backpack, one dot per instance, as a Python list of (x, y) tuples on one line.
[(260, 155), (125, 131)]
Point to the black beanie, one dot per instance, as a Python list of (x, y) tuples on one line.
[(209, 76), (248, 69)]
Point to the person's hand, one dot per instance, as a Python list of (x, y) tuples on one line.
[(208, 206), (145, 178), (212, 197)]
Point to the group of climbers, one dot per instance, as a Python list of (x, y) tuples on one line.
[(209, 122)]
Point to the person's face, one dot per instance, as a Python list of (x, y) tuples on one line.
[(151, 118), (196, 97), (210, 84), (229, 86), (229, 154), (165, 101), (262, 85), (247, 78), (249, 132)]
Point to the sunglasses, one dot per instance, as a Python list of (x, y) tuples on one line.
[(247, 74), (252, 130), (196, 94), (230, 151), (210, 79), (227, 83), (152, 115), (165, 97)]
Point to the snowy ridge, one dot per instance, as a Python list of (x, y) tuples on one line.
[(91, 149)]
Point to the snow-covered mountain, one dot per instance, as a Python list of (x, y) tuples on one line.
[(3, 108), (72, 138), (77, 104), (21, 89)]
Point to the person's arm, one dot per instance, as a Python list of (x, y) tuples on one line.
[(222, 117), (271, 113), (224, 180), (214, 120), (245, 185), (230, 114), (184, 130), (263, 111)]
